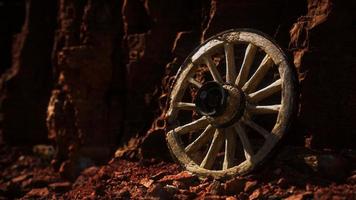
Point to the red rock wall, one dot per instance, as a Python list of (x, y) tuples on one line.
[(105, 67), (25, 87), (318, 36), (151, 29), (14, 10), (323, 43), (85, 111)]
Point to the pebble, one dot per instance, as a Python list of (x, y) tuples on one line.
[(185, 177), (60, 186), (250, 186), (282, 182), (146, 182), (179, 185), (171, 189), (159, 175), (20, 178), (38, 192), (257, 194)]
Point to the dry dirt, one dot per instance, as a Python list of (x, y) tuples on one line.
[(293, 173)]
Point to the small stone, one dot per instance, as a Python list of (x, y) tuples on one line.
[(257, 194), (266, 190), (179, 185), (120, 177), (199, 187), (30, 182), (185, 177), (291, 190), (20, 178), (311, 161), (282, 182), (250, 186), (146, 182), (45, 151), (21, 158), (37, 192), (92, 195), (39, 181), (60, 186), (171, 189), (234, 186), (309, 187), (159, 175)]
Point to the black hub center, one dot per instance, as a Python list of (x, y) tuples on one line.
[(211, 99), (225, 104)]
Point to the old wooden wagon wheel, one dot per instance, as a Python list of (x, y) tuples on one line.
[(232, 101)]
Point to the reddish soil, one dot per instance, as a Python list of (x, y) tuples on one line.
[(293, 173)]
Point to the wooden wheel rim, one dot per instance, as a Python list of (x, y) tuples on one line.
[(287, 84)]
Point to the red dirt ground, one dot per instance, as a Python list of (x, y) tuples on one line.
[(294, 173)]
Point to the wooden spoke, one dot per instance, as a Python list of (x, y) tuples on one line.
[(230, 146), (257, 128), (194, 82), (214, 149), (259, 74), (230, 62), (201, 140), (266, 92), (246, 65), (270, 109), (185, 106), (244, 140), (192, 126), (213, 70)]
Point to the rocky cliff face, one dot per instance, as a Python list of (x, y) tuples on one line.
[(85, 111), (323, 42), (104, 68), (25, 87)]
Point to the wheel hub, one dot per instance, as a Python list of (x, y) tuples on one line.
[(223, 104), (211, 99)]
